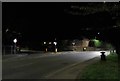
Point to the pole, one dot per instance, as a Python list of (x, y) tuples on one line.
[(55, 43), (15, 41), (15, 48), (55, 49)]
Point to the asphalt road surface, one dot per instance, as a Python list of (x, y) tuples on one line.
[(40, 65)]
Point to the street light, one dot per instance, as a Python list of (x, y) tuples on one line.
[(45, 46), (15, 41), (98, 33), (55, 46), (73, 43)]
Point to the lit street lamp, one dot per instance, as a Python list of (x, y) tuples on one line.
[(98, 33), (55, 46), (15, 41), (73, 43), (44, 42), (45, 46)]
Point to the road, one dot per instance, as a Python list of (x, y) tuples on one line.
[(38, 66)]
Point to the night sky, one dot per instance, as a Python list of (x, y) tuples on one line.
[(47, 21)]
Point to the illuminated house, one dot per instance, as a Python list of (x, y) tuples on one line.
[(77, 45)]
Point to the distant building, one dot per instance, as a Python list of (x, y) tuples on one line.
[(76, 44)]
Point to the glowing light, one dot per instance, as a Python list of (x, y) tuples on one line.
[(50, 42), (15, 40), (44, 42), (97, 42), (84, 48), (73, 43), (55, 43), (98, 33)]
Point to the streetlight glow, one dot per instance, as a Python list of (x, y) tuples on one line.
[(73, 43), (55, 43), (15, 40), (98, 33), (55, 46), (44, 42), (50, 42)]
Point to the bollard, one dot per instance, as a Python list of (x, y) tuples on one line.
[(103, 57)]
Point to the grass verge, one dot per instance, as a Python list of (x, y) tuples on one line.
[(102, 69)]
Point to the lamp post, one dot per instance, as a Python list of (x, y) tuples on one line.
[(73, 43), (45, 46), (15, 41), (55, 46)]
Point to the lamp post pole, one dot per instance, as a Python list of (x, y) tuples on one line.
[(55, 46), (73, 45), (45, 44), (15, 41)]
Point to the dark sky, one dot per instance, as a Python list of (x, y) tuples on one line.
[(38, 21), (36, 18)]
